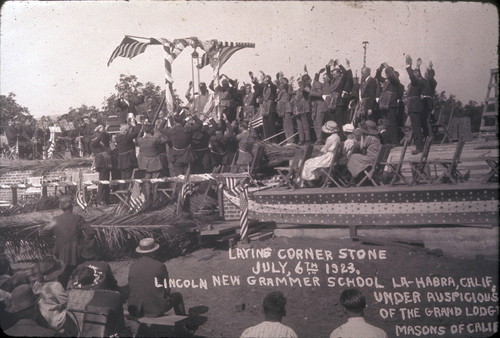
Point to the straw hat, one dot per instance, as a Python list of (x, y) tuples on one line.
[(147, 245), (369, 127), (23, 298), (330, 127), (348, 128)]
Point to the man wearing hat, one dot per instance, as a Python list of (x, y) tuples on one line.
[(370, 146), (149, 289), (327, 152), (25, 305)]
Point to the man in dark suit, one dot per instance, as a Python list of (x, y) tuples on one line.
[(418, 117), (149, 290), (149, 156), (102, 162), (320, 101), (180, 137), (367, 96), (124, 141), (388, 101), (127, 104)]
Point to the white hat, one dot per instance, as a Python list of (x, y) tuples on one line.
[(330, 127), (348, 128), (147, 245)]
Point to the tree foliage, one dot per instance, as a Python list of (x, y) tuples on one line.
[(10, 109), (445, 105)]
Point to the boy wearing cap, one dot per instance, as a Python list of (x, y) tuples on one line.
[(149, 294)]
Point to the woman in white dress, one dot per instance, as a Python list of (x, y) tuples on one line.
[(328, 150)]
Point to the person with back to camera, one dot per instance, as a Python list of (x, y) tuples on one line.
[(274, 311), (354, 304)]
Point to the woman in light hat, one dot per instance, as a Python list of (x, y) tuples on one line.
[(328, 151), (350, 144), (370, 146)]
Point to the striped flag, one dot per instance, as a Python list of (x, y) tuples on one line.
[(186, 190), (52, 145), (244, 213), (80, 198), (131, 47), (223, 51), (137, 198), (16, 149)]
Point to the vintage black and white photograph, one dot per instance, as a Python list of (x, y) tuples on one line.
[(249, 169)]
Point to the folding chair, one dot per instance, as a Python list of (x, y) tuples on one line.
[(450, 172), (395, 167), (90, 188), (493, 173), (286, 173), (297, 176), (35, 188), (420, 170), (124, 194), (373, 172), (332, 174)]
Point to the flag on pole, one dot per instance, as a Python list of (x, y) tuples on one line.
[(186, 190), (131, 47), (218, 56), (137, 198), (16, 149), (81, 201), (52, 144), (244, 213)]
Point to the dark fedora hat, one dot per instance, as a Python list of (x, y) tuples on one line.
[(369, 127), (23, 298)]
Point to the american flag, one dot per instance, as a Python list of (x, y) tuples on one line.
[(131, 47), (137, 198), (80, 198), (186, 190), (80, 147), (218, 56), (239, 187), (52, 144)]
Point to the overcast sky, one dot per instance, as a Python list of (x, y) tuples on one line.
[(54, 54)]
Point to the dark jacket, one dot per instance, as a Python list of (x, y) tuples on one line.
[(126, 148), (389, 92), (149, 158), (145, 299), (101, 151), (28, 328), (368, 93), (415, 87), (130, 107)]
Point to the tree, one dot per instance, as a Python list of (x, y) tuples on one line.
[(128, 83), (10, 109)]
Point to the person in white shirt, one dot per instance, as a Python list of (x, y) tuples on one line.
[(354, 304), (274, 311)]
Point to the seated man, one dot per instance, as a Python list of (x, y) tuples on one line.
[(354, 303), (274, 311), (25, 306), (145, 274)]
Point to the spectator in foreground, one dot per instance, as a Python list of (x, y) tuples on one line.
[(145, 298), (25, 305), (354, 304), (274, 311)]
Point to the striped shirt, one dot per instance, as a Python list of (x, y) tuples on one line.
[(269, 329)]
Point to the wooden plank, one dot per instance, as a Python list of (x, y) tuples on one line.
[(259, 236), (221, 229)]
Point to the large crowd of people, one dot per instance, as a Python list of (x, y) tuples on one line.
[(222, 122)]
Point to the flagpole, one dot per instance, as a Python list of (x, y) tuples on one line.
[(193, 56)]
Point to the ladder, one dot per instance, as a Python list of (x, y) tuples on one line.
[(489, 118)]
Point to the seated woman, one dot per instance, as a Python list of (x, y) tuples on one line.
[(53, 297), (350, 144), (370, 146), (328, 151)]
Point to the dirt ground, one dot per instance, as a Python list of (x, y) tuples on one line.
[(443, 296)]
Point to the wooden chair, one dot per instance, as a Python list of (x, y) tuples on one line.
[(420, 170), (286, 173), (297, 175), (450, 172), (373, 173), (332, 173), (395, 167), (90, 189), (123, 195), (35, 188), (492, 175)]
